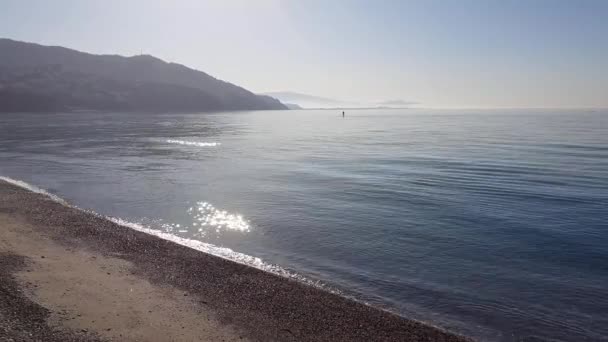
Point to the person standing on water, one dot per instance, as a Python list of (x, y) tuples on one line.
[(342, 113)]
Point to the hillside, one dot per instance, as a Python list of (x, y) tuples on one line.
[(48, 78)]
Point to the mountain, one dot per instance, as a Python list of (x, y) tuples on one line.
[(50, 78)]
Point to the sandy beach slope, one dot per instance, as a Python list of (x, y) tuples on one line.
[(68, 275)]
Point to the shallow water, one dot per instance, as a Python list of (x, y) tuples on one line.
[(488, 223)]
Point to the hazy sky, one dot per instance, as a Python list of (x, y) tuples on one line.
[(460, 53)]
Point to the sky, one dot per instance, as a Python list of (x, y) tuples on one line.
[(439, 53)]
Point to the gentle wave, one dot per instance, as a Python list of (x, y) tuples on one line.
[(193, 143), (222, 252)]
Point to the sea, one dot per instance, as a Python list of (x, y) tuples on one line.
[(488, 223)]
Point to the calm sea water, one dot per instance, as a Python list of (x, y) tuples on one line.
[(489, 223)]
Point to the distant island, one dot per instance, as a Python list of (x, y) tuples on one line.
[(308, 101), (295, 100), (37, 78)]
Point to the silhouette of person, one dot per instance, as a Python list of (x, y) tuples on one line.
[(342, 113)]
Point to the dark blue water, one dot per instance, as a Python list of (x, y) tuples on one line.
[(489, 223)]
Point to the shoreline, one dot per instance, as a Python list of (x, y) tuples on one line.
[(196, 295)]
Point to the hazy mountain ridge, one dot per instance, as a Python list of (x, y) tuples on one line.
[(309, 101), (296, 100), (46, 78)]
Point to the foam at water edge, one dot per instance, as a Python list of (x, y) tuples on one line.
[(222, 252), (33, 188)]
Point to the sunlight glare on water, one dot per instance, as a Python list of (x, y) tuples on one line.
[(207, 216)]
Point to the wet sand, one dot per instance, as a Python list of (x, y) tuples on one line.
[(68, 275)]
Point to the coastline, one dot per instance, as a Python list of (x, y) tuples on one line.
[(103, 281)]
